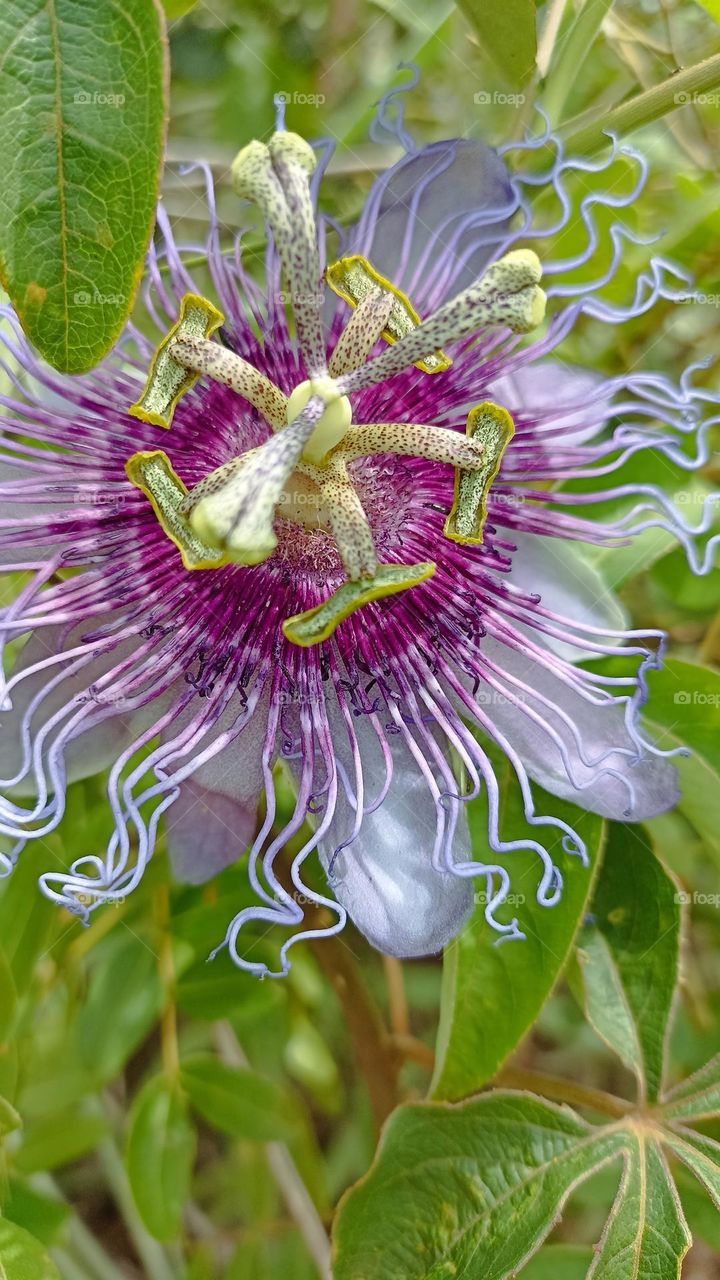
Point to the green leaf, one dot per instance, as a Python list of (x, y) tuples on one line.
[(469, 1190), (8, 998), (698, 1097), (9, 1118), (178, 8), (42, 1215), (646, 1235), (508, 33), (123, 1002), (572, 50), (628, 958), (559, 1262), (58, 1140), (701, 1155), (160, 1156), (239, 1102), (82, 100), (683, 710), (492, 994), (22, 1257)]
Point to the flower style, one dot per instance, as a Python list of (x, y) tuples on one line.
[(339, 536)]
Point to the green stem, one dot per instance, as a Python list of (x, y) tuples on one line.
[(645, 107)]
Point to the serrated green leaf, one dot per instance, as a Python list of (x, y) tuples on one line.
[(508, 34), (22, 1257), (124, 1000), (160, 1155), (629, 977), (467, 1190), (646, 1235), (698, 1097), (82, 100), (492, 994), (240, 1102)]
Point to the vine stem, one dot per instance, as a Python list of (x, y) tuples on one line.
[(576, 1095), (676, 91)]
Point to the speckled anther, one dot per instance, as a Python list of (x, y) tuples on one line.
[(152, 473), (168, 380), (333, 424), (493, 428), (318, 624)]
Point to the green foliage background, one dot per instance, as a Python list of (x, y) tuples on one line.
[(167, 1118)]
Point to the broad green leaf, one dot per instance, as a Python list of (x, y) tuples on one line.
[(160, 1156), (508, 34), (82, 100), (469, 1190), (629, 974), (123, 1002), (22, 1257), (58, 1140), (492, 993), (646, 1235), (239, 1102), (42, 1215), (698, 1097), (701, 1155)]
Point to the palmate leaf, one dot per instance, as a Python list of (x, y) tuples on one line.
[(474, 1188)]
